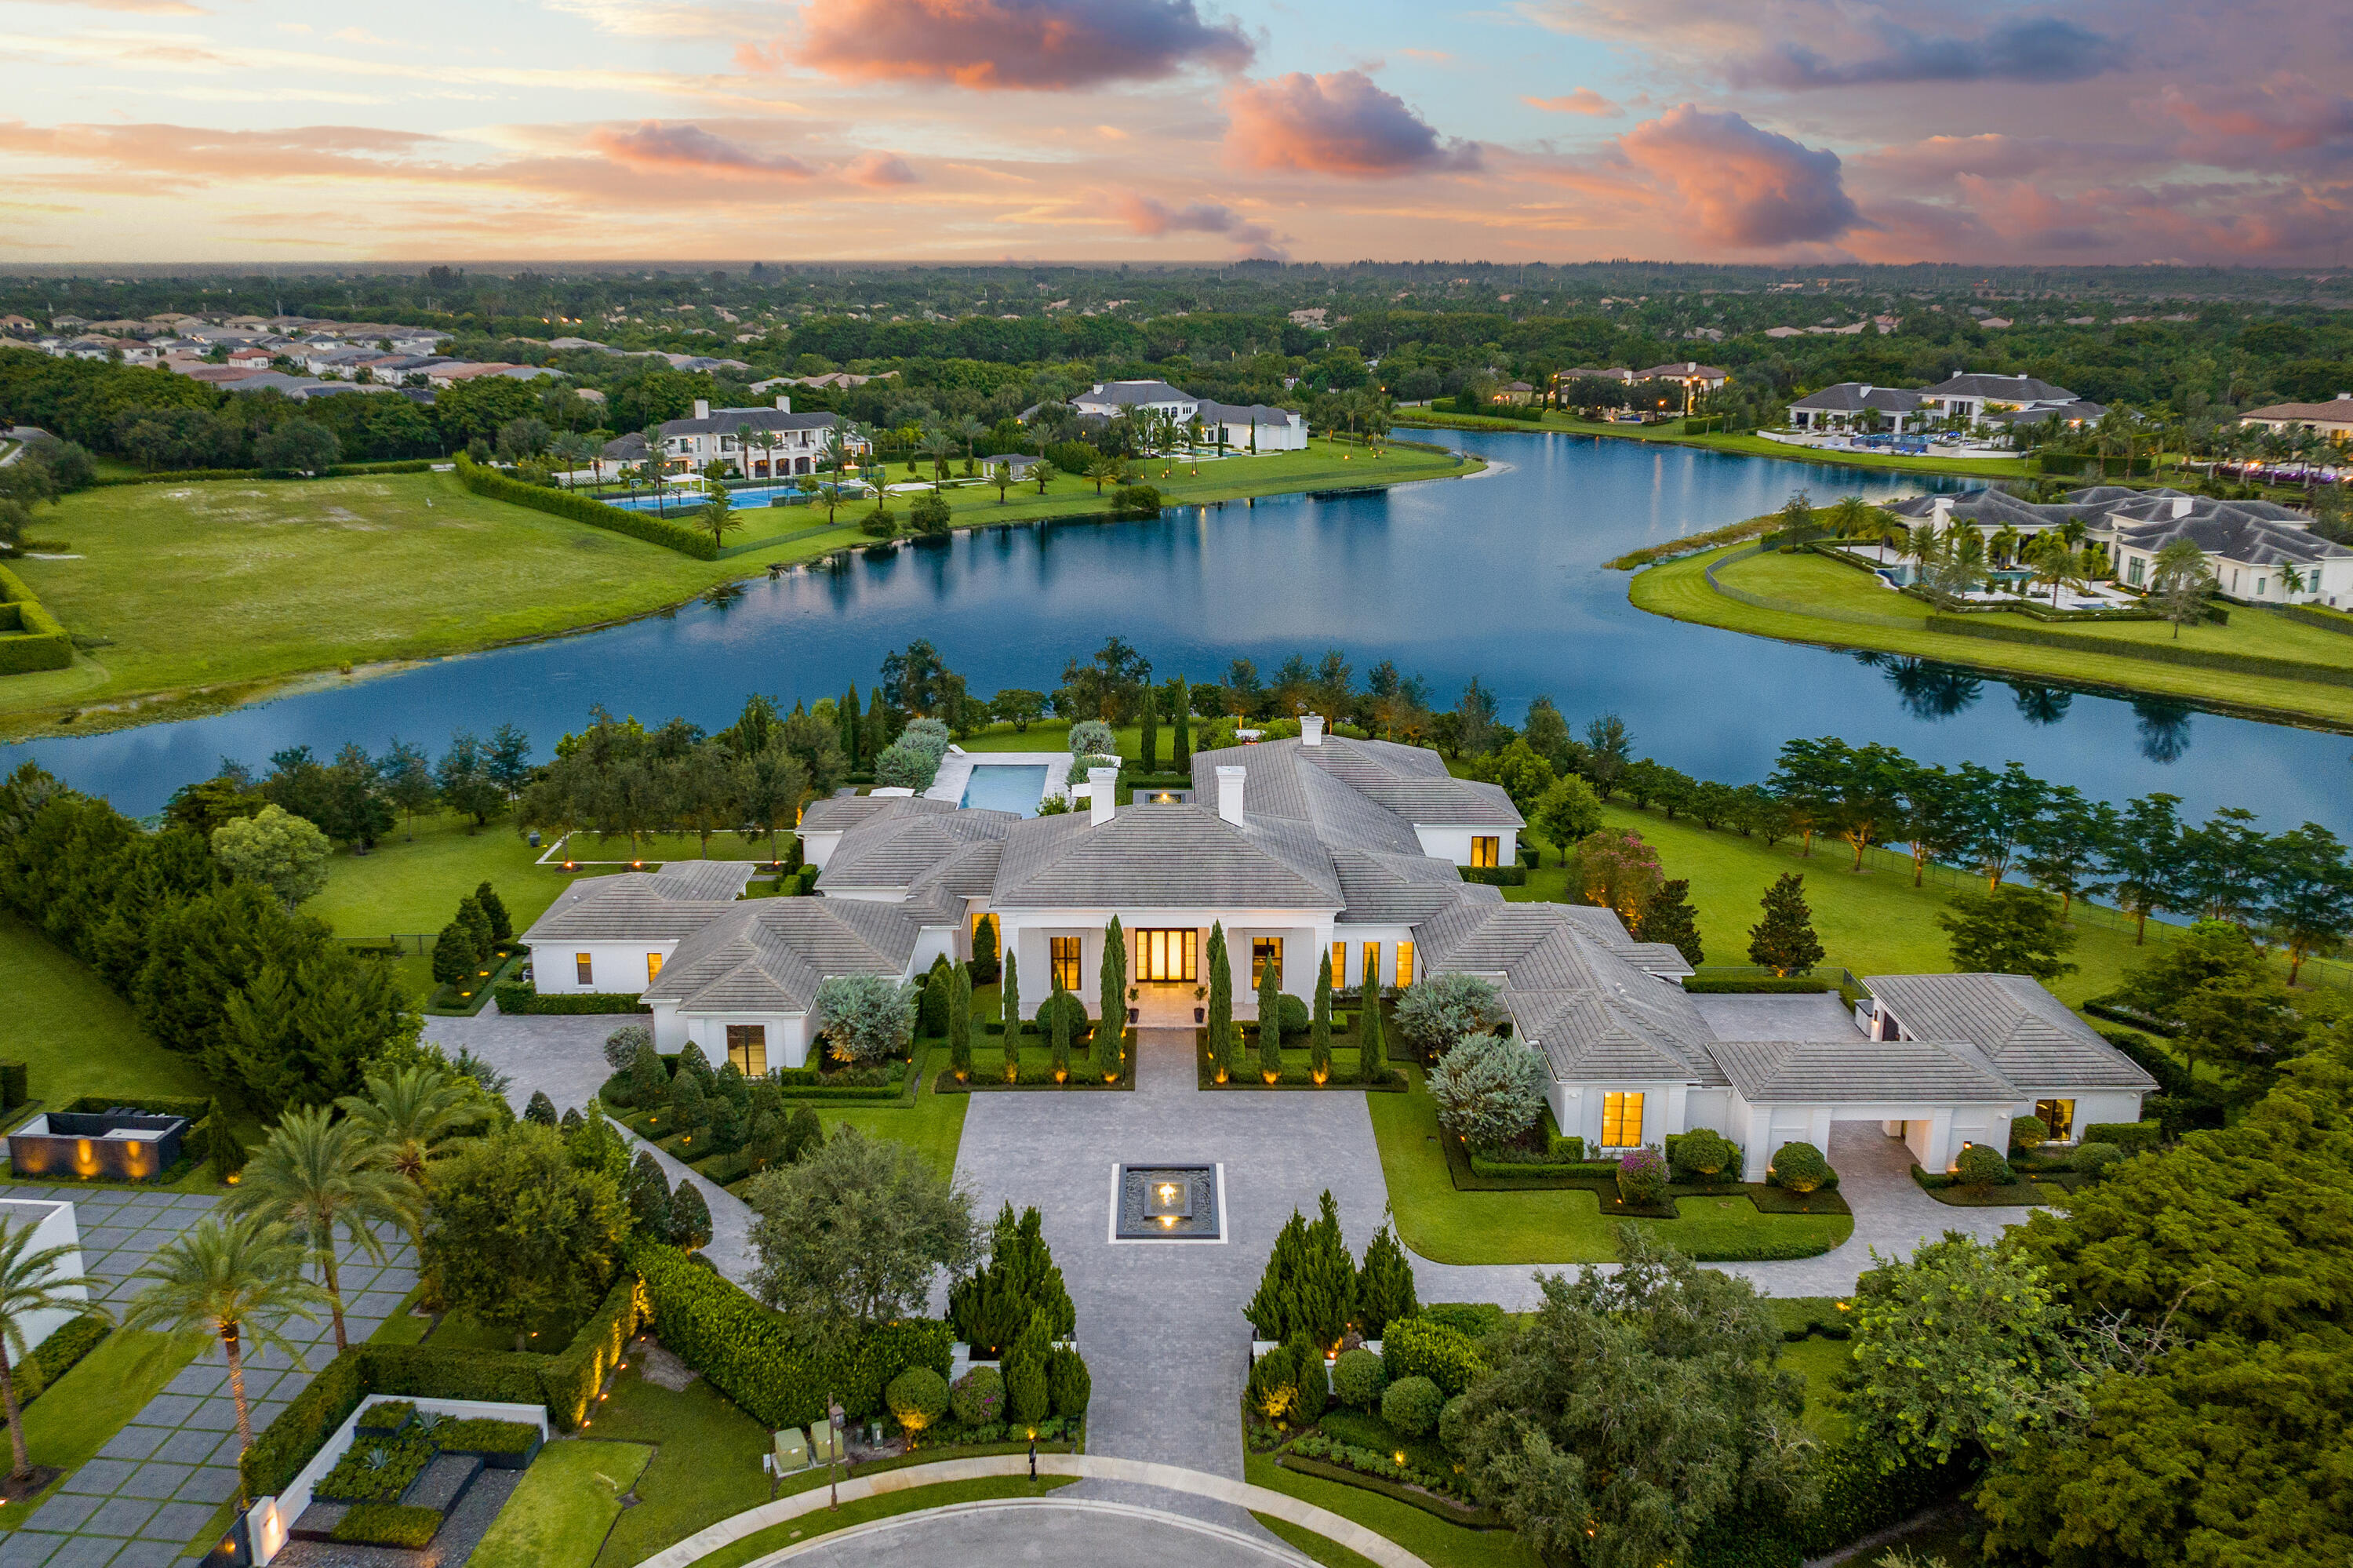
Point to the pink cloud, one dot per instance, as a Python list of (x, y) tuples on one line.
[(1584, 101), (1144, 215), (878, 171), (652, 145), (1738, 186), (1336, 123), (1038, 44)]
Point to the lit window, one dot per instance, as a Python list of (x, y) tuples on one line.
[(1265, 950), (2058, 1118), (1064, 951), (747, 1047), (1339, 964), (1405, 965), (653, 968), (1621, 1120), (1485, 851), (584, 968)]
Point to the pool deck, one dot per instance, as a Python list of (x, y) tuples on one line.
[(956, 771)]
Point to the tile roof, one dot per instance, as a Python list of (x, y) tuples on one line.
[(1163, 857), (1854, 396), (669, 905), (1860, 1071), (1409, 782), (727, 421), (2027, 1034), (771, 954), (2008, 388)]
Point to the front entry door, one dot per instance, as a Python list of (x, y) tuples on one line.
[(1166, 956)]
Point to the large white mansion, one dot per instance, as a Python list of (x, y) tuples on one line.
[(1308, 847)]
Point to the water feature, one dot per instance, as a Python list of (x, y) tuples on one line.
[(1499, 576)]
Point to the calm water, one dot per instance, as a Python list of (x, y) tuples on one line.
[(995, 787), (1498, 576)]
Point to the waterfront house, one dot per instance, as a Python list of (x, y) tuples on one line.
[(2333, 418), (784, 444)]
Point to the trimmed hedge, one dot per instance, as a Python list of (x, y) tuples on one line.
[(1857, 1500), (1428, 1501), (563, 503), (2132, 1137), (388, 1524), (339, 471), (56, 1355), (1497, 876), (15, 1084), (42, 644), (1760, 985), (2159, 652), (516, 1000), (1420, 1346), (749, 1353), (487, 1438)]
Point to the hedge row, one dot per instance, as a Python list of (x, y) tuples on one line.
[(566, 1383), (516, 1000), (57, 1355), (388, 1524), (2157, 653), (195, 475), (1857, 1500), (1497, 876), (750, 1353), (41, 643), (15, 1084), (2312, 615), (659, 531), (1760, 984), (1429, 1502)]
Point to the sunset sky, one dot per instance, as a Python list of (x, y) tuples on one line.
[(2115, 131)]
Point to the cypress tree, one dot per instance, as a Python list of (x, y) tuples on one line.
[(878, 736), (1372, 1051), (1384, 1286), (1012, 1014), (502, 924), (455, 957), (1784, 940), (1271, 1310), (223, 1154), (1668, 918), (692, 1060), (931, 1010), (804, 1134), (1270, 1022), (649, 1080), (1059, 1004), (1027, 1397), (691, 1109), (477, 921), (1112, 998), (1221, 1004), (690, 1219), (846, 719), (1324, 1288), (650, 1197), (1149, 718), (1180, 745), (541, 1110), (767, 1142), (984, 951), (1319, 1030), (960, 1024), (1312, 1389), (573, 1122)]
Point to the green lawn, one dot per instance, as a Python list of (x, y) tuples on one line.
[(1428, 1537), (560, 1513), (705, 1463), (192, 597), (412, 885), (1819, 1360), (66, 1426), (865, 1510), (1672, 434), (1556, 1226), (78, 1037), (933, 1125), (1680, 591), (1314, 1547)]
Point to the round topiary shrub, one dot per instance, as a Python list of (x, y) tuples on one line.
[(1357, 1379), (2028, 1134), (622, 1045), (1294, 1015), (2093, 1158), (978, 1397), (1704, 1154), (918, 1397), (1451, 1423), (1799, 1167), (1981, 1165), (1411, 1405), (1642, 1177)]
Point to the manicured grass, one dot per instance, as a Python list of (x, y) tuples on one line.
[(1314, 1547), (1680, 591), (78, 1037), (1672, 434), (865, 1510), (932, 1126), (1819, 1360), (201, 596), (411, 886), (1428, 1537), (1873, 922), (83, 1410), (564, 1506), (1556, 1226), (705, 1463)]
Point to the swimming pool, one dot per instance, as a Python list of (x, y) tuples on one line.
[(688, 504), (996, 787)]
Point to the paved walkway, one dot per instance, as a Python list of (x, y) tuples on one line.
[(156, 1482), (1048, 1531)]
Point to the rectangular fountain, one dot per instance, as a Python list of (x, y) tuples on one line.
[(1167, 1203)]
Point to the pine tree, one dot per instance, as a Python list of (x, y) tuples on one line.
[(690, 1218), (1149, 718), (650, 1197), (846, 716), (960, 1024), (1784, 940), (1111, 998), (991, 1305), (455, 957), (477, 921), (690, 1108), (1319, 1028), (1271, 1310), (984, 951), (502, 924), (1324, 1290), (1180, 745), (1221, 1004), (804, 1134), (1027, 1396), (1060, 1032), (1012, 1009), (1372, 1051), (1270, 1022), (1384, 1286), (541, 1109), (1668, 918)]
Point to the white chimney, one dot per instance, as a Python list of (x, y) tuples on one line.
[(1099, 794), (2182, 503), (1229, 793), (703, 408), (1311, 729), (784, 405)]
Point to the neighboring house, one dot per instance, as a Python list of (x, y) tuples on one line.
[(1020, 462), (2333, 418), (1106, 399), (1689, 373), (1252, 427), (1319, 848), (1972, 395), (1516, 392), (1843, 406), (451, 374), (799, 440)]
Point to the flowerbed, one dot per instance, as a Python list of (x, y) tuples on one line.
[(376, 1471)]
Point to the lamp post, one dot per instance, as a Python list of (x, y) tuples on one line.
[(835, 1418)]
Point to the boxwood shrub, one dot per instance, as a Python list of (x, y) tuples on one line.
[(1419, 1347), (56, 1356), (385, 1416), (515, 1000), (388, 1524), (482, 1434)]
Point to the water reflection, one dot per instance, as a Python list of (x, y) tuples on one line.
[(2164, 727), (1934, 691), (2041, 705)]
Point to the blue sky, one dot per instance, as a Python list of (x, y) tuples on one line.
[(1134, 129)]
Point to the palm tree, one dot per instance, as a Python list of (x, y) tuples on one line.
[(968, 430), (2051, 559), (414, 1116), (315, 1173), (937, 444), (1102, 470), (30, 1284), (235, 1280), (2005, 543), (1852, 518)]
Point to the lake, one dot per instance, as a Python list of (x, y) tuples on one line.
[(1498, 576)]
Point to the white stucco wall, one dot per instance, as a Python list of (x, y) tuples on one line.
[(1306, 936), (53, 1224), (1450, 843), (617, 967)]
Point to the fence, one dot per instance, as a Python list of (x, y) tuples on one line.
[(407, 945)]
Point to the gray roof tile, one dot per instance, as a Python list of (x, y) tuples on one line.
[(1860, 1071), (2027, 1034)]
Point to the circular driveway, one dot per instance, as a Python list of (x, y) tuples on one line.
[(1045, 1532)]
